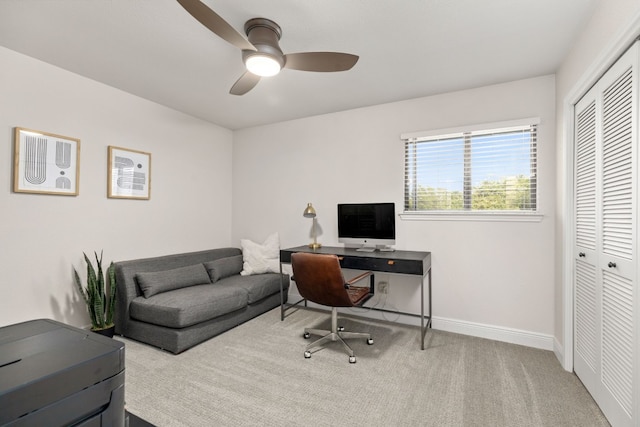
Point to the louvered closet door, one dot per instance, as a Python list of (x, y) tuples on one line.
[(586, 290), (606, 295)]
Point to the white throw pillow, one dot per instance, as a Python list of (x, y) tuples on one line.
[(261, 258)]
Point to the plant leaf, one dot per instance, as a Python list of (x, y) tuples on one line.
[(78, 283), (111, 271)]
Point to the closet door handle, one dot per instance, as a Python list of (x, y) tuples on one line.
[(582, 255), (611, 265)]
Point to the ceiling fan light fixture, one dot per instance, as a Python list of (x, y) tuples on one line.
[(261, 51), (263, 65)]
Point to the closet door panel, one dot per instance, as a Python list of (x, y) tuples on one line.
[(617, 339), (585, 181), (586, 291), (586, 327), (617, 168), (618, 264)]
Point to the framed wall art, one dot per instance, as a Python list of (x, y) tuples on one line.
[(45, 163), (129, 174)]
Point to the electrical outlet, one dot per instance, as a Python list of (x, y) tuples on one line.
[(383, 287)]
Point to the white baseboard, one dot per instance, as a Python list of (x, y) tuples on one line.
[(497, 333)]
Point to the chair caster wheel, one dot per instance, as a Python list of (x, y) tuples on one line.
[(307, 354), (352, 359), (306, 335), (341, 328), (370, 341)]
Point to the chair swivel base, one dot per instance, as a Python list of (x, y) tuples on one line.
[(335, 334)]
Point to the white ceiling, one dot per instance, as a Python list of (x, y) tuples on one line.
[(407, 48)]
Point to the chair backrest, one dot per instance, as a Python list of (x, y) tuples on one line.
[(319, 279)]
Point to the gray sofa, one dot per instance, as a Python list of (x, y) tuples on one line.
[(177, 301)]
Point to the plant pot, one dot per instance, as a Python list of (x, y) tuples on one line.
[(107, 332)]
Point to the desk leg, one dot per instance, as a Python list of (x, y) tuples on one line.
[(430, 325), (423, 329), (286, 306), (281, 294)]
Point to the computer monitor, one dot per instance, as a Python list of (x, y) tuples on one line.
[(368, 225)]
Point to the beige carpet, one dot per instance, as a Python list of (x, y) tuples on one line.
[(256, 375)]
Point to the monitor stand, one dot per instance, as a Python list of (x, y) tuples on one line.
[(381, 248)]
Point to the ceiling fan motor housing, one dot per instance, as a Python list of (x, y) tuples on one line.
[(264, 34)]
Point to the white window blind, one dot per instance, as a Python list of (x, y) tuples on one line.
[(474, 169)]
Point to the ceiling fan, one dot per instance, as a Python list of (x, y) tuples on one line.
[(261, 52)]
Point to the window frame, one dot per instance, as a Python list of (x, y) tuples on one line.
[(475, 215)]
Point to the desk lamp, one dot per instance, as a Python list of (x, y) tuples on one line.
[(310, 212)]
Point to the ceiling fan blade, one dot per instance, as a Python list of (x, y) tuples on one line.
[(216, 24), (320, 61), (244, 84)]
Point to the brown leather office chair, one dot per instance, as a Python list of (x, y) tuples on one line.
[(319, 279)]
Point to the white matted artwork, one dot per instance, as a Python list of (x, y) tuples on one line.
[(129, 174), (45, 163)]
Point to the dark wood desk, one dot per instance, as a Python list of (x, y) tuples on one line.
[(397, 262)]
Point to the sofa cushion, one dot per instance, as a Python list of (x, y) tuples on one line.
[(257, 287), (152, 283), (261, 258), (188, 306), (224, 267)]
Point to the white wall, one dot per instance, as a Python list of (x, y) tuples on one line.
[(612, 27), (43, 236), (487, 276)]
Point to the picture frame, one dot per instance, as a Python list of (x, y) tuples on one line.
[(45, 163), (129, 174)]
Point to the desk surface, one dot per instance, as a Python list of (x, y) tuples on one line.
[(399, 262)]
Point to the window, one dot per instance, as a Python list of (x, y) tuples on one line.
[(488, 168)]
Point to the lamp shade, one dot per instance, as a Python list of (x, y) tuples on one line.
[(309, 212)]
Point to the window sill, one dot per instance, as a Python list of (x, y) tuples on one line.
[(473, 216)]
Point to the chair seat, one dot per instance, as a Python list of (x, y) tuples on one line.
[(357, 294)]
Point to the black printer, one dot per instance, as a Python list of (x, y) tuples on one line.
[(57, 375)]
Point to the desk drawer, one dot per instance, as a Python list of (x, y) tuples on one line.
[(397, 266)]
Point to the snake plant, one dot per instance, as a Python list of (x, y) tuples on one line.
[(100, 301)]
